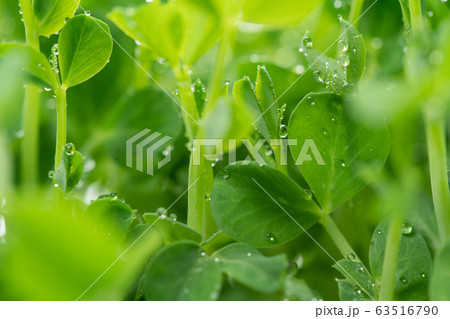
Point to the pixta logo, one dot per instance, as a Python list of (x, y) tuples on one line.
[(145, 146)]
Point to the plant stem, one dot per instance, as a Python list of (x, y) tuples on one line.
[(30, 119), (416, 15), (437, 157), (390, 258), (355, 12), (61, 123), (338, 238)]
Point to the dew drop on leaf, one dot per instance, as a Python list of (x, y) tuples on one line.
[(207, 197), (351, 257), (407, 229), (225, 174), (403, 280), (51, 174), (283, 131), (342, 163), (342, 46), (270, 237), (88, 13), (423, 275), (307, 42), (70, 149)]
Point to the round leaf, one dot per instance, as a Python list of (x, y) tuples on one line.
[(180, 272), (246, 200), (346, 148), (85, 46)]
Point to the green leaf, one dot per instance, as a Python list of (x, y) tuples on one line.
[(85, 46), (29, 61), (70, 170), (200, 96), (180, 272), (112, 215), (343, 73), (439, 287), (172, 229), (297, 290), (277, 13), (358, 284), (333, 150), (51, 15), (245, 204), (261, 101), (51, 255), (216, 241), (251, 268), (413, 265), (183, 29), (228, 120)]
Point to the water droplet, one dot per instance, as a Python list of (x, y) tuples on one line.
[(47, 89), (324, 132), (351, 257), (203, 254), (208, 197), (407, 229), (310, 100), (270, 237), (173, 217), (283, 131), (443, 0), (342, 46), (249, 254), (114, 195), (403, 280), (225, 174), (318, 76), (379, 232), (216, 260), (51, 174), (88, 13), (308, 193), (339, 16), (70, 149), (307, 42), (342, 163), (344, 60), (423, 275)]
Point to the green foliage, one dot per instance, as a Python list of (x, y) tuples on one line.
[(347, 148), (180, 272), (85, 45), (52, 15), (439, 288), (246, 201), (340, 74), (31, 62), (414, 263), (358, 284), (248, 266), (171, 228), (175, 30), (70, 169), (112, 215)]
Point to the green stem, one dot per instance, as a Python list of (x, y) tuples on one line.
[(339, 239), (416, 15), (355, 12), (390, 258), (61, 123), (31, 107), (189, 108), (437, 155)]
